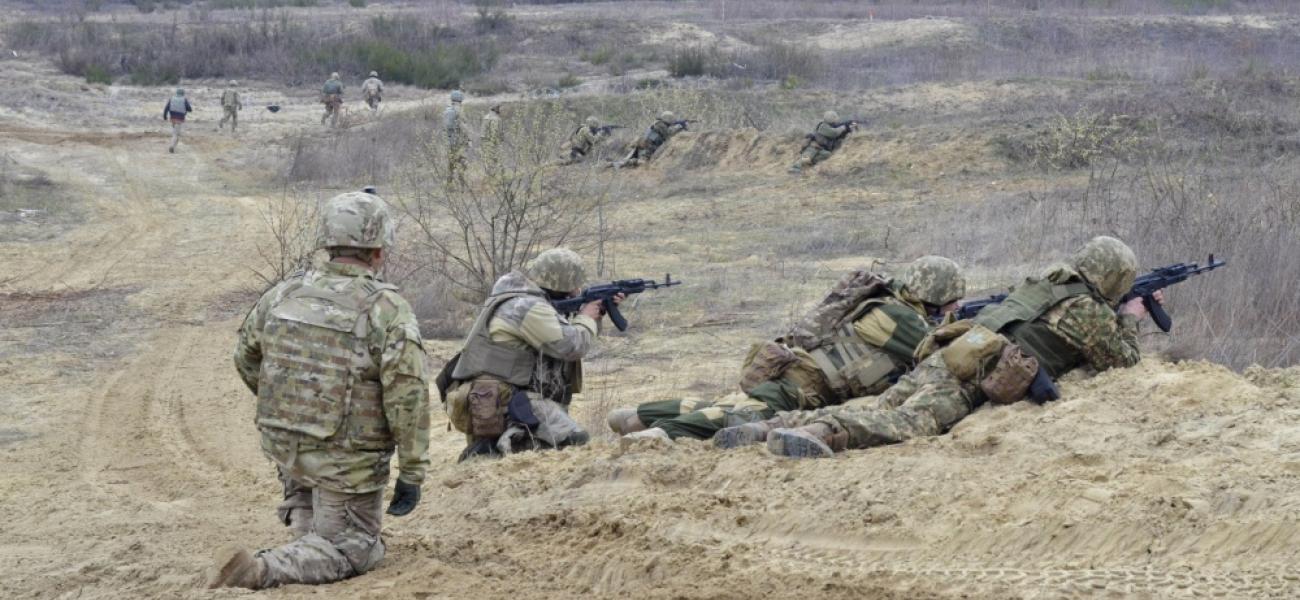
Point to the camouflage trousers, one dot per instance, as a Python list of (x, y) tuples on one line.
[(178, 127), (700, 419), (926, 402), (811, 155), (230, 114), (333, 106), (340, 540), (372, 101)]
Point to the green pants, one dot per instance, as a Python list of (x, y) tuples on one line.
[(700, 419), (928, 401)]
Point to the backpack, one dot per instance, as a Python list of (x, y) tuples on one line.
[(818, 326)]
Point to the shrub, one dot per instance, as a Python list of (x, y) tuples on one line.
[(689, 62), (97, 74), (567, 81), (357, 3)]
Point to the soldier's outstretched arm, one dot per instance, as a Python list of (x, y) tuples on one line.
[(403, 374), (542, 328), (1106, 339)]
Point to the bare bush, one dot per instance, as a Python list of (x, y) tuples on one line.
[(291, 219), (475, 220)]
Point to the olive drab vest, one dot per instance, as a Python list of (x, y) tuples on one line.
[(318, 377), (853, 367), (176, 105), (481, 356), (1017, 318)]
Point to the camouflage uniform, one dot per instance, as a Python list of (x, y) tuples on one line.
[(1077, 327), (372, 90), (581, 142), (663, 129), (230, 107), (332, 98), (825, 139), (491, 138), (456, 138), (519, 343), (863, 356), (335, 358)]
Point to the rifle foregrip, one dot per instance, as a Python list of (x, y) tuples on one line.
[(1158, 314)]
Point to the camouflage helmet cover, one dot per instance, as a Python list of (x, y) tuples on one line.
[(1108, 264), (558, 269), (933, 280), (830, 116), (667, 116), (355, 220), (374, 73), (457, 96)]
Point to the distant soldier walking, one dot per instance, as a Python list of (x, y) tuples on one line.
[(335, 358), (490, 138), (230, 107), (824, 140), (175, 110), (456, 138), (372, 90), (332, 98)]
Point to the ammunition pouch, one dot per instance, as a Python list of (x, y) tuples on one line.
[(487, 402), (968, 356), (1009, 380)]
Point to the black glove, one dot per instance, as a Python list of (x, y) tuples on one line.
[(405, 497)]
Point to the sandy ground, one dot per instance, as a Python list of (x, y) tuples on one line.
[(130, 454)]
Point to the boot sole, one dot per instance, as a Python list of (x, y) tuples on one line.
[(736, 437), (796, 444)]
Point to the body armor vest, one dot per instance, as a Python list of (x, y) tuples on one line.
[(1017, 318), (176, 105), (318, 378), (853, 367), (481, 356)]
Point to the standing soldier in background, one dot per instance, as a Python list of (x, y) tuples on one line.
[(857, 341), (372, 91), (663, 129), (1058, 322), (490, 138), (510, 386), (332, 98), (335, 358), (230, 107), (456, 138), (175, 110), (582, 141), (825, 139)]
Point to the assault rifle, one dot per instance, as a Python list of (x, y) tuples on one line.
[(605, 294), (607, 129), (684, 123), (1144, 287), (852, 123)]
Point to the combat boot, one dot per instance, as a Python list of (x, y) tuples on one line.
[(746, 434), (653, 433), (809, 441), (624, 421), (236, 567)]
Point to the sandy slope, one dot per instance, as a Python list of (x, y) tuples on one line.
[(130, 455)]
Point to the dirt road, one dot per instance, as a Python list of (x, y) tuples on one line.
[(130, 455)]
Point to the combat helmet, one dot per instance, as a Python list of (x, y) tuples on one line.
[(334, 75), (1108, 264), (233, 83), (557, 269), (934, 280), (355, 220), (374, 73), (457, 96), (831, 116), (180, 91), (667, 116), (592, 122)]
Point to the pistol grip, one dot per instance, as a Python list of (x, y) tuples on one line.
[(1158, 314), (614, 316)]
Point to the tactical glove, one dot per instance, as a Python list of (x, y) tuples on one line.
[(405, 497)]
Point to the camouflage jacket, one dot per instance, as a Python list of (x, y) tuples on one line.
[(1104, 338), (372, 87), (230, 98), (451, 123), (530, 322), (583, 140), (394, 340), (829, 137)]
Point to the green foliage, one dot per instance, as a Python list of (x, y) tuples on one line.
[(689, 62), (790, 82), (357, 3), (648, 83), (97, 74), (442, 66), (567, 81)]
